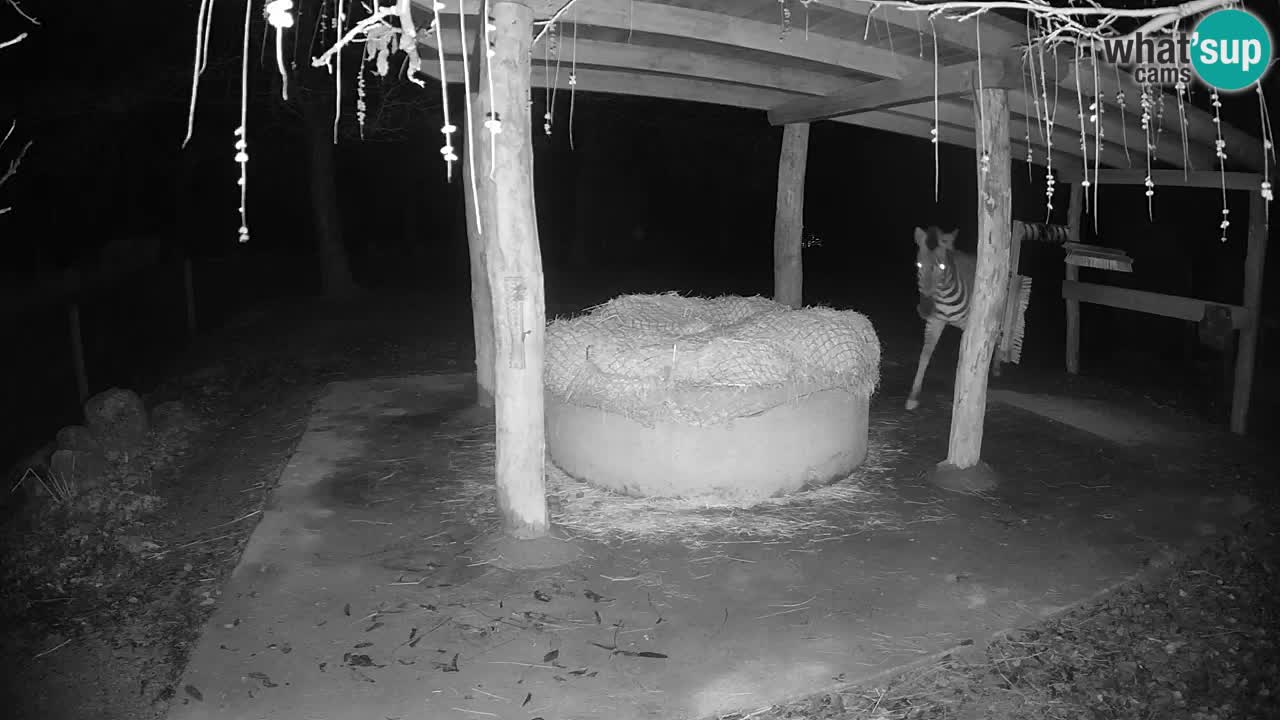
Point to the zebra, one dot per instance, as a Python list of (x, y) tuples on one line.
[(944, 278)]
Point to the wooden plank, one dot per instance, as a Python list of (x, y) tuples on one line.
[(788, 222), (1254, 264), (514, 270), (1174, 306), (1010, 304), (990, 282), (1168, 178), (997, 72), (1075, 212)]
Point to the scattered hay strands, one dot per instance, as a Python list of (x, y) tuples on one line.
[(843, 509)]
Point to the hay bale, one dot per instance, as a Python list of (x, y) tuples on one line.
[(704, 361), (729, 397)]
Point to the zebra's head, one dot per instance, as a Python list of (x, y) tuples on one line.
[(934, 267)]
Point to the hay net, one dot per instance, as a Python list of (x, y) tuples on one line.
[(705, 361)]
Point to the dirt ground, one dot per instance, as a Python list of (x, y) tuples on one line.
[(102, 620)]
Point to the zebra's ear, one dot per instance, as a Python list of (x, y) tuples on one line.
[(921, 236), (948, 240)]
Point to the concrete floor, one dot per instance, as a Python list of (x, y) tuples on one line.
[(358, 596)]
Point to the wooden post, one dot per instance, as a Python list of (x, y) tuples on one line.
[(514, 270), (480, 230), (189, 290), (1255, 261), (788, 221), (77, 351), (990, 282), (1074, 212)]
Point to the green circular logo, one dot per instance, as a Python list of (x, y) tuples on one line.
[(1231, 49)]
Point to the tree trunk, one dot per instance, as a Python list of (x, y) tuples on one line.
[(514, 265), (335, 270), (479, 228), (788, 221), (990, 283)]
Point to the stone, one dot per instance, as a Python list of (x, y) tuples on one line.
[(171, 415), (118, 419), (79, 470), (79, 438)]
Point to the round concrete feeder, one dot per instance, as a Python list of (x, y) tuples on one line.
[(810, 440)]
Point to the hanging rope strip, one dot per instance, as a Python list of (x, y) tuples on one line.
[(203, 28), (242, 133)]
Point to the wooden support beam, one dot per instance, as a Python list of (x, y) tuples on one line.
[(952, 81), (514, 271), (1255, 262), (1166, 178), (1075, 212), (788, 222), (990, 280), (1152, 303)]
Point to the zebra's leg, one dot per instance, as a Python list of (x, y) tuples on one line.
[(932, 331)]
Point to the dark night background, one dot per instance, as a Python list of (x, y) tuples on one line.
[(654, 195)]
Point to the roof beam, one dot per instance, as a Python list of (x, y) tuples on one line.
[(1172, 178), (1201, 130), (998, 33), (712, 27), (765, 38), (694, 65), (751, 77), (960, 114), (718, 93), (948, 82), (767, 81)]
